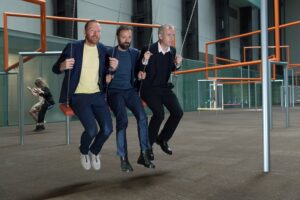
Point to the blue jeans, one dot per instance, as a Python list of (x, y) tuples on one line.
[(118, 100), (92, 108)]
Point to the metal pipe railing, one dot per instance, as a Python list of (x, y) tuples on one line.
[(233, 65), (43, 43), (43, 30)]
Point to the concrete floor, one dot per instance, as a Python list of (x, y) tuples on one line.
[(217, 156)]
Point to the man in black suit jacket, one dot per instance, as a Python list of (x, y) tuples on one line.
[(158, 61)]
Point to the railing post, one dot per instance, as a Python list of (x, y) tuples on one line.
[(20, 99)]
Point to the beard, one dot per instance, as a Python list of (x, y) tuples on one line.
[(124, 45)]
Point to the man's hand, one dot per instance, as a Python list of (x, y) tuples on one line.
[(178, 60), (141, 75), (113, 63), (146, 57), (108, 78), (67, 64)]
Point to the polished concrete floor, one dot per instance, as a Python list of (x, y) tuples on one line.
[(217, 156)]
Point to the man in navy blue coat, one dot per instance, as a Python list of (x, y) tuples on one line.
[(84, 90), (122, 94)]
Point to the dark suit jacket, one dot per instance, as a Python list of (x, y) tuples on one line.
[(77, 53), (150, 68), (135, 54)]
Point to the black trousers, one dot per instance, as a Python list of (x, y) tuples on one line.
[(42, 112), (156, 98)]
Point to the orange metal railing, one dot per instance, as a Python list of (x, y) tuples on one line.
[(276, 28), (239, 82), (245, 35), (42, 4), (277, 57), (233, 65), (43, 17), (277, 31), (273, 57), (216, 59)]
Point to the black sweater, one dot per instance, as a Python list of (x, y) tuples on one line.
[(159, 67), (47, 96)]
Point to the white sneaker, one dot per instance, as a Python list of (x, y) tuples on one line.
[(85, 161), (96, 163)]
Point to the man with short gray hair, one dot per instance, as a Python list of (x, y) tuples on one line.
[(159, 60)]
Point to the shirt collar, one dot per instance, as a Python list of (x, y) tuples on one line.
[(160, 49)]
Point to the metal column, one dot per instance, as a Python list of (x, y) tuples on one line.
[(67, 129), (20, 99), (293, 88), (285, 90), (265, 85), (242, 90), (249, 90), (286, 94), (270, 101), (255, 95)]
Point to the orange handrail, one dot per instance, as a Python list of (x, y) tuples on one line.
[(82, 20), (287, 47), (216, 58), (239, 82), (295, 65), (239, 64), (234, 78), (224, 59), (43, 44), (43, 33), (277, 31), (40, 2), (277, 27)]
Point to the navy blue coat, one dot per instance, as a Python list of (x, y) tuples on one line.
[(77, 53)]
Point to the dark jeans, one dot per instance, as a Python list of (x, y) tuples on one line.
[(156, 98), (92, 108), (118, 100)]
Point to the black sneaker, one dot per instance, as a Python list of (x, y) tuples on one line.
[(39, 128), (145, 160), (125, 165)]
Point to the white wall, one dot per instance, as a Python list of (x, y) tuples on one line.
[(168, 12), (164, 11), (104, 10), (25, 24), (207, 24)]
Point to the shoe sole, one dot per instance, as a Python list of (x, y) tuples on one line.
[(97, 169), (127, 170), (150, 166)]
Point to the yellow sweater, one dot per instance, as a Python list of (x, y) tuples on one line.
[(89, 77)]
